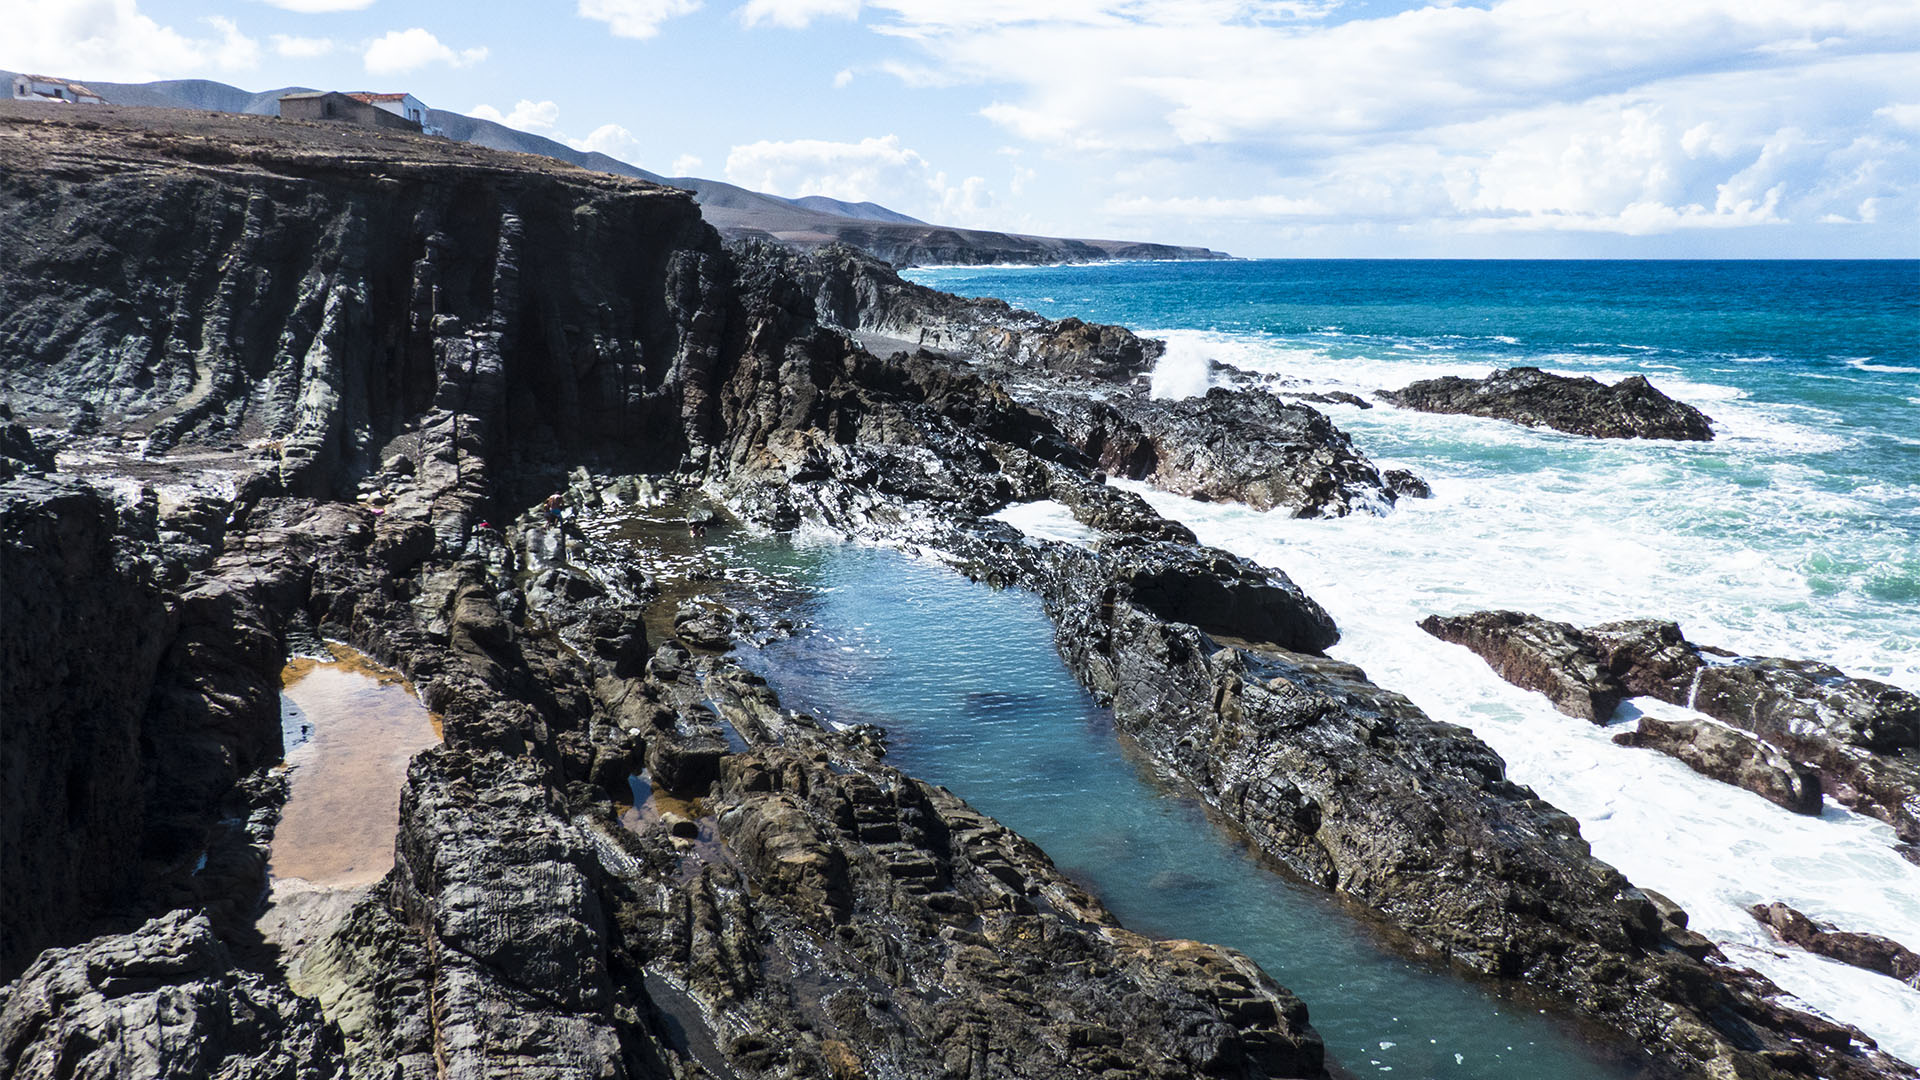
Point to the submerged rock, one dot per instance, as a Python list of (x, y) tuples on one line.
[(1629, 409)]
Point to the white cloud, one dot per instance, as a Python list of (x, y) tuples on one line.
[(795, 14), (611, 140), (842, 78), (872, 170), (683, 165), (400, 51), (636, 18), (1253, 208), (1631, 116), (235, 50), (319, 7), (301, 48), (538, 116), (1906, 115), (113, 41)]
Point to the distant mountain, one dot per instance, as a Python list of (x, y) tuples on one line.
[(191, 94), (805, 222), (865, 211)]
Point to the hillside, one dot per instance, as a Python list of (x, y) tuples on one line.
[(803, 223)]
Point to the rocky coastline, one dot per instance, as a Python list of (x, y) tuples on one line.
[(1786, 729), (273, 386)]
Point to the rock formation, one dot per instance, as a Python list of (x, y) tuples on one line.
[(1731, 756), (330, 367), (1629, 409), (1869, 951), (1233, 443), (1857, 734), (317, 362)]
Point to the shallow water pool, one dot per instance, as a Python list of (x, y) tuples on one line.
[(975, 698), (350, 727)]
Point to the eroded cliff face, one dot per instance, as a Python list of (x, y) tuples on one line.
[(445, 333), (319, 368), (224, 289)]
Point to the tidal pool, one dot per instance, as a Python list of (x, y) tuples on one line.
[(350, 728), (966, 680)]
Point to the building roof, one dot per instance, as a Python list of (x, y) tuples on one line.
[(370, 97), (304, 94), (78, 89)]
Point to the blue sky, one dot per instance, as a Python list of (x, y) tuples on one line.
[(1651, 128)]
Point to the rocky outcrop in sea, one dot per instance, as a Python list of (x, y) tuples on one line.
[(1782, 723), (306, 382), (1629, 409)]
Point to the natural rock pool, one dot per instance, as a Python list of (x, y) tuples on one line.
[(965, 679), (350, 728)]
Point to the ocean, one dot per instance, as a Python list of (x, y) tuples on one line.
[(1796, 532)]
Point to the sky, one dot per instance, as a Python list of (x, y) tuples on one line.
[(1265, 128)]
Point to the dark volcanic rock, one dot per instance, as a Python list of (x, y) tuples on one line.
[(1859, 734), (84, 629), (1629, 409), (1360, 792), (165, 1000), (1535, 654), (1228, 444), (780, 903), (324, 313), (1869, 951), (1232, 443), (1336, 397), (18, 450), (1731, 756)]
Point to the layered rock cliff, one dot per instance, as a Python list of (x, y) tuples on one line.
[(334, 366), (234, 328)]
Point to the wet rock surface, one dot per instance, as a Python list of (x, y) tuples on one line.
[(1356, 790), (386, 361), (1629, 409), (1869, 951), (424, 341), (1733, 757), (1859, 735), (1238, 443), (1535, 654)]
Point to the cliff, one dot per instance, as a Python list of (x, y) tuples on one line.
[(233, 328), (739, 214), (302, 382)]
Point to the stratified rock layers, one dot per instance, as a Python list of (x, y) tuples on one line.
[(319, 311), (450, 332)]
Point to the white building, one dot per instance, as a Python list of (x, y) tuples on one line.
[(403, 105), (47, 88)]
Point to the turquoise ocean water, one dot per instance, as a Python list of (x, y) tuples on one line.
[(1796, 532)]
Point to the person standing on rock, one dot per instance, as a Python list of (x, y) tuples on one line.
[(554, 503)]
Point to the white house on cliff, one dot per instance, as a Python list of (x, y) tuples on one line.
[(47, 88), (399, 111)]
